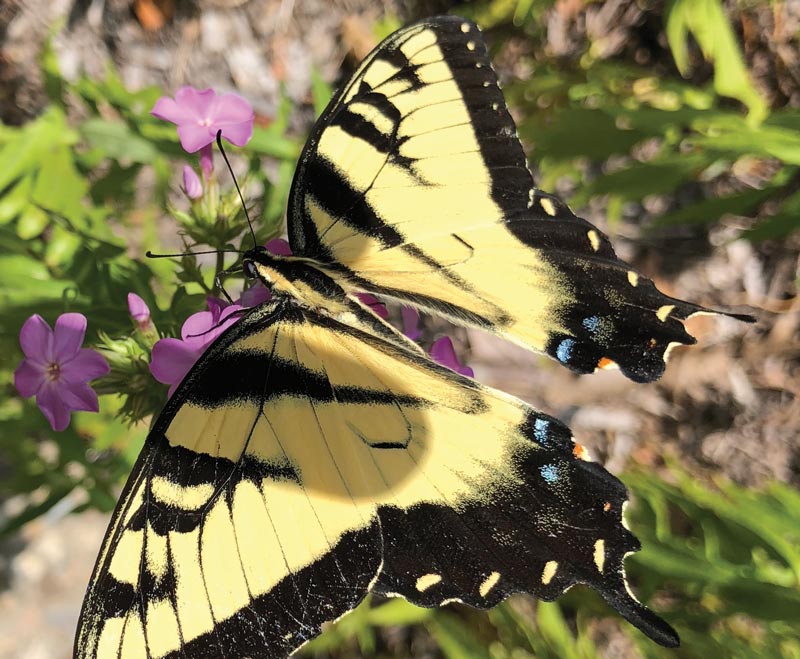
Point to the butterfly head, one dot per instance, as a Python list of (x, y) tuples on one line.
[(295, 277)]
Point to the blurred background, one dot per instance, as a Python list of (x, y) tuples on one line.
[(673, 126)]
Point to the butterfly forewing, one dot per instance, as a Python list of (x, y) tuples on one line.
[(414, 185)]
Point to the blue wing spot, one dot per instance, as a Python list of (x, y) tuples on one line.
[(540, 430), (564, 350), (549, 473), (591, 323)]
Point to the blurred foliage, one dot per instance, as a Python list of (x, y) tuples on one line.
[(629, 133), (84, 184)]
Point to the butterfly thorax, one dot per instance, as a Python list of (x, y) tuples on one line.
[(297, 278)]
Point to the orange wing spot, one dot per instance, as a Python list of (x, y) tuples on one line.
[(605, 362), (606, 506), (580, 452), (653, 343)]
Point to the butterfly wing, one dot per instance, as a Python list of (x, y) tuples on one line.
[(414, 185), (303, 463)]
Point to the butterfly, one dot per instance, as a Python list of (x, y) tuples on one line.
[(315, 454)]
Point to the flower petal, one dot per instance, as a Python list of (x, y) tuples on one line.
[(138, 308), (193, 136), (255, 295), (229, 316), (378, 307), (195, 327), (53, 408), (28, 378), (79, 397), (199, 101), (207, 160), (87, 365), (171, 360), (191, 183), (167, 109), (36, 339), (410, 322), (68, 336), (234, 116), (238, 134), (443, 352), (279, 247)]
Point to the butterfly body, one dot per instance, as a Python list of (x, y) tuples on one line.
[(314, 454)]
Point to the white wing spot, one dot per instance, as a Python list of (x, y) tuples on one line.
[(426, 581), (663, 312), (594, 239), (489, 583), (531, 194), (549, 572), (600, 554), (633, 278), (465, 27), (470, 45), (548, 206), (495, 106)]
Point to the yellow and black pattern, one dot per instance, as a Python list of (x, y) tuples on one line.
[(314, 454), (303, 463), (414, 185)]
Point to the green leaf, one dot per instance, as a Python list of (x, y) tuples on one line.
[(712, 209), (456, 640), (32, 222), (640, 179), (321, 92), (398, 611), (706, 21), (116, 140), (59, 187), (15, 201)]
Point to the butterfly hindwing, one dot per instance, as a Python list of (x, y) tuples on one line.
[(414, 185), (303, 463)]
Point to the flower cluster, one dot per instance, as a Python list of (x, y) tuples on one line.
[(56, 368)]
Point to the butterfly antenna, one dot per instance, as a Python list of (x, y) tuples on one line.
[(151, 255), (241, 198)]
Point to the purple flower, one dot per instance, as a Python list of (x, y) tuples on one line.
[(191, 183), (378, 307), (139, 311), (172, 358), (442, 352), (410, 322), (56, 369), (199, 114), (279, 247)]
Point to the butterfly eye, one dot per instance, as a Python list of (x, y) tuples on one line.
[(250, 270)]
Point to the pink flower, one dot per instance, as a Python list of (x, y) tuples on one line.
[(442, 352), (172, 358), (199, 114), (410, 322), (56, 369), (378, 307), (139, 311), (192, 187), (279, 247)]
